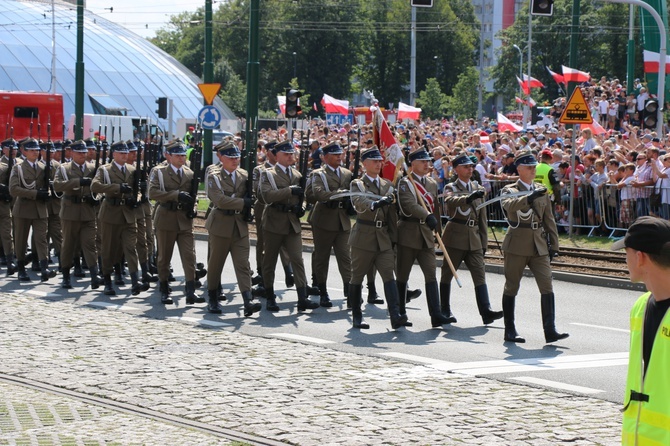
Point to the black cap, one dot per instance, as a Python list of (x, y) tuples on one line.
[(525, 158), (420, 155), (176, 147), (332, 149), (647, 234), (372, 153), (284, 146), (79, 146), (9, 143), (120, 147), (228, 149), (30, 144), (462, 160)]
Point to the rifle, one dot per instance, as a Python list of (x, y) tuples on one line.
[(110, 144), (303, 167), (47, 159), (104, 145), (348, 160), (357, 157), (196, 159), (137, 178)]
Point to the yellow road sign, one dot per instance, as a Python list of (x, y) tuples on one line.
[(576, 110), (209, 91)]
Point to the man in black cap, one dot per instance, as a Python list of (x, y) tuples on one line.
[(279, 189), (532, 241), (118, 224), (372, 238), (647, 245), (9, 147), (31, 190), (330, 220), (419, 219), (77, 213), (169, 186), (54, 233), (466, 237), (227, 228)]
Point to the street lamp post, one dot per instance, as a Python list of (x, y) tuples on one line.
[(436, 66), (520, 65), (295, 64)]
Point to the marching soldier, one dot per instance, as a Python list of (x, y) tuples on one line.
[(466, 238), (228, 231), (532, 241), (77, 213), (280, 190), (169, 186), (330, 220), (118, 225), (372, 238), (29, 186), (6, 231), (54, 233), (419, 218)]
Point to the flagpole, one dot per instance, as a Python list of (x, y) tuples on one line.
[(526, 109)]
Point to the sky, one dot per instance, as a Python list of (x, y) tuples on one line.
[(143, 17)]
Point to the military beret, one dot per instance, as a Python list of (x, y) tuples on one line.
[(332, 149), (371, 153), (228, 148), (419, 155), (525, 158)]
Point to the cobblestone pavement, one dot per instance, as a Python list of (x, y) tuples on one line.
[(281, 390)]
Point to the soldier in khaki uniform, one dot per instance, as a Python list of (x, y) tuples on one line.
[(169, 185), (77, 213), (118, 225), (531, 220), (416, 239), (466, 238), (228, 231), (330, 220), (372, 238), (279, 189), (31, 189), (6, 231), (54, 233)]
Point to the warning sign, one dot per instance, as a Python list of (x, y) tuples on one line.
[(576, 111), (209, 91)]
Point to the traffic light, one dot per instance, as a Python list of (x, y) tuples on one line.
[(534, 115), (292, 107), (421, 3), (651, 113), (162, 107), (542, 7)]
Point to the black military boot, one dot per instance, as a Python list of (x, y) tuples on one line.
[(137, 286), (66, 283), (290, 281), (23, 275), (213, 303), (147, 277), (346, 294), (355, 296), (392, 298), (271, 300), (373, 297), (200, 271), (413, 294), (191, 297), (11, 267), (109, 288), (250, 307), (402, 291), (313, 290), (437, 319), (118, 276), (508, 311), (165, 293), (46, 272), (484, 305), (547, 303), (324, 299), (35, 265), (257, 279), (258, 291), (445, 297), (78, 272), (303, 300), (222, 297), (95, 279)]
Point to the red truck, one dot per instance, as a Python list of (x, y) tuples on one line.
[(27, 113)]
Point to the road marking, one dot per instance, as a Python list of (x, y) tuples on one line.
[(196, 320), (111, 306), (600, 326), (420, 359), (295, 337), (556, 385), (38, 293)]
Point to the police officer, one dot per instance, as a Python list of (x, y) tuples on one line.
[(228, 231), (532, 241), (73, 180), (31, 189), (118, 225), (466, 237), (169, 186), (372, 238), (280, 190), (419, 218), (9, 147), (330, 220)]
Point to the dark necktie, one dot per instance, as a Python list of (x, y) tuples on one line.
[(179, 175), (123, 171)]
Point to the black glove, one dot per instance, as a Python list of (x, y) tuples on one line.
[(124, 188), (4, 189), (552, 254), (483, 252), (382, 202), (431, 221), (84, 181), (299, 211), (536, 194), (296, 190), (43, 195), (475, 195), (248, 202), (349, 206), (185, 197), (131, 202)]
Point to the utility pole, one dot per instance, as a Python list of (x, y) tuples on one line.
[(79, 74), (253, 73), (208, 78), (412, 60)]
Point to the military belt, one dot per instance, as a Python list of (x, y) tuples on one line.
[(77, 199), (469, 222), (375, 223), (228, 211), (334, 204), (534, 225), (173, 206), (413, 220), (284, 207), (116, 201)]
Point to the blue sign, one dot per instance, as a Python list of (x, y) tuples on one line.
[(336, 118), (209, 117)]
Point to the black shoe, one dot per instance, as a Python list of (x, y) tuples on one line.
[(109, 289), (213, 304), (200, 272), (78, 272), (392, 298), (137, 286), (65, 282), (313, 290), (257, 279), (413, 294), (508, 311), (191, 297), (46, 272), (303, 300), (250, 307), (165, 293), (171, 278), (35, 266), (147, 277), (271, 300), (373, 297), (445, 304), (290, 281), (95, 280), (354, 297), (258, 291), (547, 302), (23, 275), (11, 267), (324, 299), (118, 275), (484, 306)]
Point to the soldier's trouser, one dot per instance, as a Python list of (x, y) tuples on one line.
[(260, 249), (238, 248), (22, 229), (6, 236), (78, 235), (323, 242), (142, 251), (55, 233), (474, 260), (362, 261), (165, 240), (98, 233), (149, 237), (272, 245), (425, 257), (118, 241), (538, 265)]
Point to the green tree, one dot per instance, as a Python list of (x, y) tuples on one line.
[(463, 102), (432, 101)]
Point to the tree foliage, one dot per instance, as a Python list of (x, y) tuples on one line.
[(463, 102), (432, 101)]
